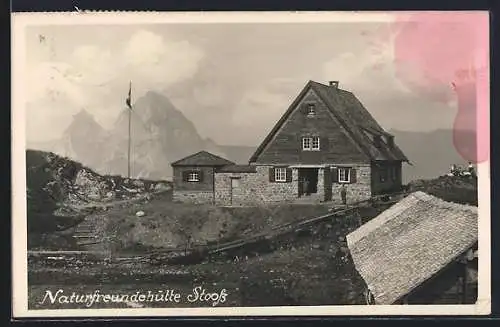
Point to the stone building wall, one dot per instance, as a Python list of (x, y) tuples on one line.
[(360, 190), (254, 188), (193, 196)]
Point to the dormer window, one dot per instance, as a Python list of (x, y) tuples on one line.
[(377, 140), (311, 109)]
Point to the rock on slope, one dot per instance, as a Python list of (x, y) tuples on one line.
[(458, 189), (59, 188)]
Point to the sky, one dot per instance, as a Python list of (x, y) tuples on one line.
[(233, 80)]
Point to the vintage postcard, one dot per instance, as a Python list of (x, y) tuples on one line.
[(250, 164)]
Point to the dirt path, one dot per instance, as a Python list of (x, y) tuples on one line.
[(90, 232)]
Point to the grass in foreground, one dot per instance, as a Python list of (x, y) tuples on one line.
[(167, 224)]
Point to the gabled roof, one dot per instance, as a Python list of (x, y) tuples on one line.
[(352, 115), (202, 158), (411, 242)]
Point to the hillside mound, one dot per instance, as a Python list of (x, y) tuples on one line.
[(59, 189), (458, 189)]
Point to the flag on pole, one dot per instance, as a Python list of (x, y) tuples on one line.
[(129, 97)]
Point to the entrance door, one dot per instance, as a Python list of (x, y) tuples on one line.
[(308, 181), (328, 184), (235, 183)]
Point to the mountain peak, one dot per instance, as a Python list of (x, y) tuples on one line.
[(152, 93), (83, 113), (83, 122)]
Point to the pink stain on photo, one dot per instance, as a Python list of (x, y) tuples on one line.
[(445, 57)]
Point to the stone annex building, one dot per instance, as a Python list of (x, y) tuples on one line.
[(326, 140)]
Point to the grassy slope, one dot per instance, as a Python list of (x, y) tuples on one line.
[(310, 271), (61, 192), (457, 189), (170, 225)]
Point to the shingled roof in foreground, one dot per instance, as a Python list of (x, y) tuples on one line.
[(410, 242)]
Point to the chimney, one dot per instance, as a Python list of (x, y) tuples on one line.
[(334, 84)]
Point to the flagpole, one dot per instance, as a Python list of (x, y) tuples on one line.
[(129, 104), (129, 139)]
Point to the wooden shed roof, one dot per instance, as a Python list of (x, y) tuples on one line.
[(202, 158), (411, 242), (353, 116)]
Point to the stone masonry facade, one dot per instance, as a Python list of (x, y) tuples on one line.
[(255, 188), (324, 142), (195, 197), (361, 190)]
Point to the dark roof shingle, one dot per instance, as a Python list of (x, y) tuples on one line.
[(237, 169), (202, 158), (410, 242), (353, 116)]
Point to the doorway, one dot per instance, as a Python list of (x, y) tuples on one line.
[(235, 184), (308, 181)]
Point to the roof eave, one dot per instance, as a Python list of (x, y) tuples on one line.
[(280, 122)]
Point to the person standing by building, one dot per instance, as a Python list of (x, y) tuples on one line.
[(343, 194), (305, 184)]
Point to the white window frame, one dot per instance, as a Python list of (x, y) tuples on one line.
[(347, 177), (280, 174), (193, 176), (313, 147), (306, 140), (310, 141)]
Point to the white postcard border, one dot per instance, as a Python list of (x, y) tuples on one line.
[(19, 224)]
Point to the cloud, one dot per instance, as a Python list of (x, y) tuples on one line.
[(148, 58), (261, 107), (157, 63), (210, 96), (54, 80), (96, 77), (369, 68)]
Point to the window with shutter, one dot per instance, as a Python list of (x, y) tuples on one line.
[(335, 175), (289, 175), (344, 175), (193, 176), (280, 174), (271, 175), (352, 175)]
